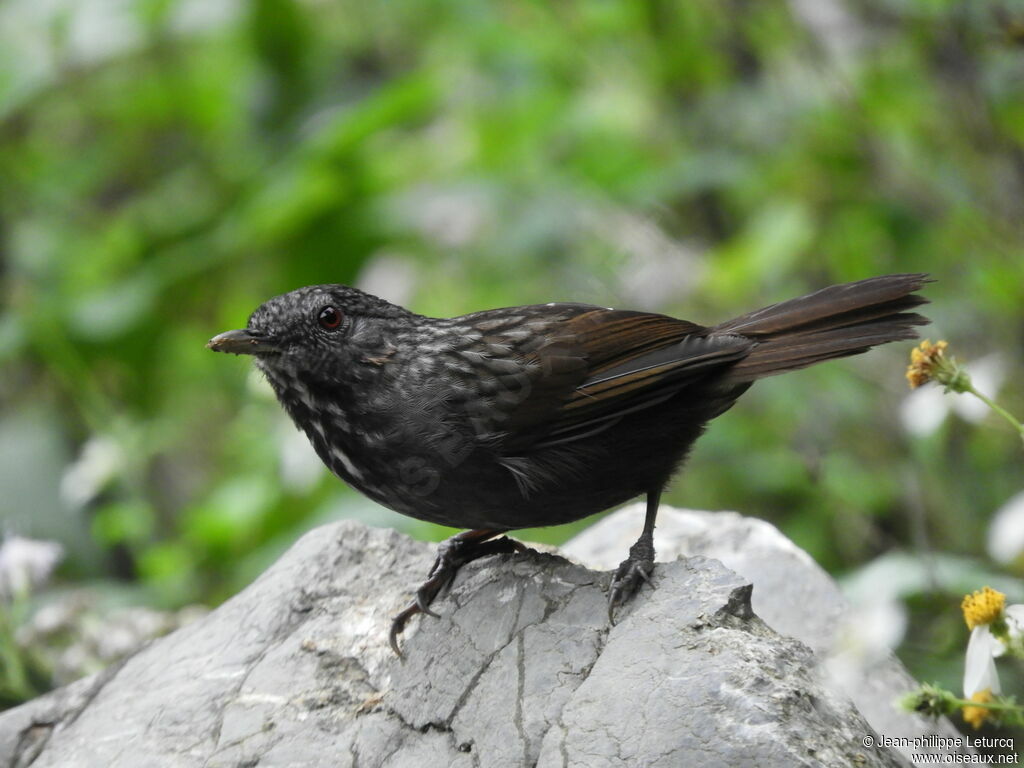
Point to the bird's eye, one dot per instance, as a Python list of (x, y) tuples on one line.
[(329, 318)]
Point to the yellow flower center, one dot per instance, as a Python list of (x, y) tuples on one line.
[(975, 716), (924, 360), (982, 607)]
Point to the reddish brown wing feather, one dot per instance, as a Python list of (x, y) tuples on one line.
[(603, 364), (596, 365)]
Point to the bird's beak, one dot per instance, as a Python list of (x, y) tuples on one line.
[(242, 342)]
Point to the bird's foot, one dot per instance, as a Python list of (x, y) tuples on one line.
[(632, 572), (452, 554)]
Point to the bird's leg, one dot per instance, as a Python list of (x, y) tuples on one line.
[(452, 554), (636, 568)]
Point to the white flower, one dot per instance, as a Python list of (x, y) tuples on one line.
[(1006, 531), (980, 667), (924, 409), (25, 564), (1014, 643), (984, 648)]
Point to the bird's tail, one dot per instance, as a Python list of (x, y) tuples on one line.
[(834, 322)]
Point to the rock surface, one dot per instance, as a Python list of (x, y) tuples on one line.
[(522, 669), (792, 594)]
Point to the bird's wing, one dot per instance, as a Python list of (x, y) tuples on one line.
[(591, 369)]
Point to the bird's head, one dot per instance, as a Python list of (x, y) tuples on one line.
[(318, 331)]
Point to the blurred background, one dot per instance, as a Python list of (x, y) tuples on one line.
[(167, 165)]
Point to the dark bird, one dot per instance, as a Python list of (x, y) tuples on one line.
[(536, 415)]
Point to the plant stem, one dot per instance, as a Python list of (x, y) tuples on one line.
[(998, 409), (14, 680)]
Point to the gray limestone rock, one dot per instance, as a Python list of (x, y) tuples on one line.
[(522, 669), (792, 594)]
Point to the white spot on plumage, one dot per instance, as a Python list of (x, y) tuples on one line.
[(496, 323), (346, 462), (518, 334), (302, 392)]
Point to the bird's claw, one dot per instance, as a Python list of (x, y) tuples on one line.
[(631, 573), (452, 554), (422, 606), (440, 577), (397, 625)]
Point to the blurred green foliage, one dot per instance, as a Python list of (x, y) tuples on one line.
[(165, 166)]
